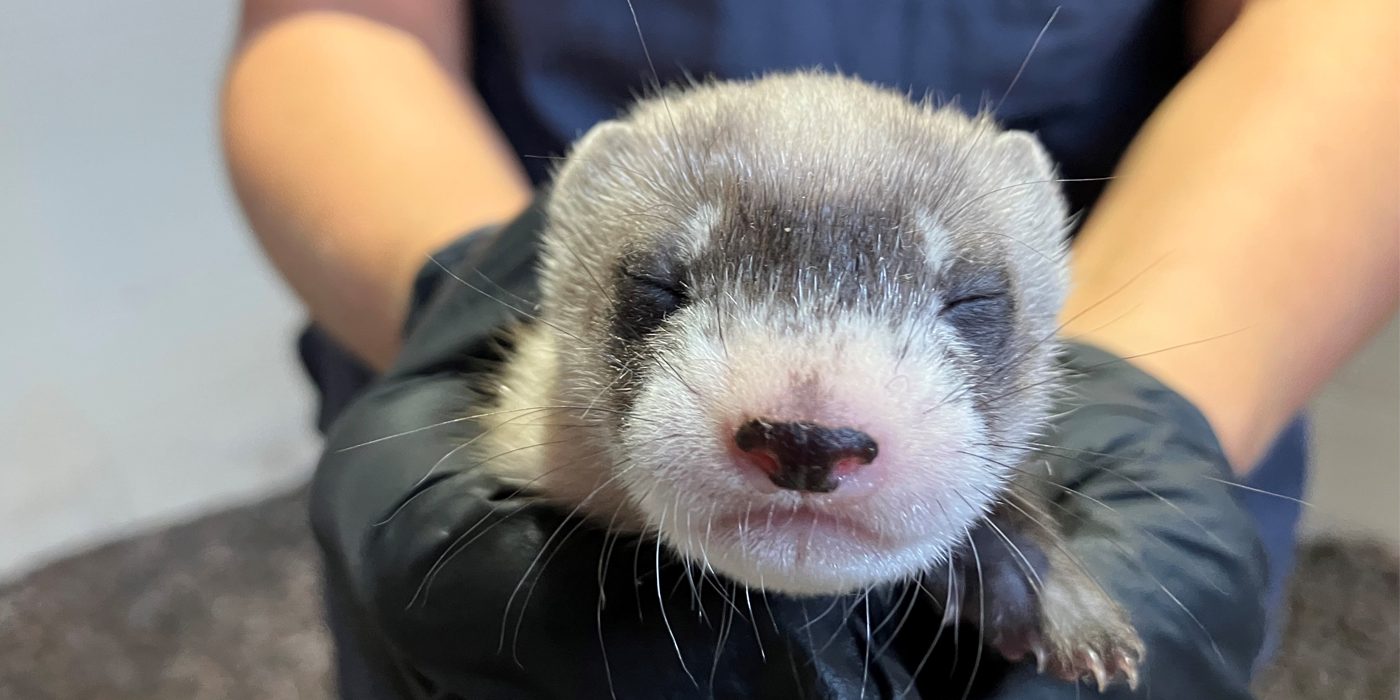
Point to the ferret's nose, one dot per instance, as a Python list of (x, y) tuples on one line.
[(805, 456)]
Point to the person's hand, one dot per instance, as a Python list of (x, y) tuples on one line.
[(483, 593)]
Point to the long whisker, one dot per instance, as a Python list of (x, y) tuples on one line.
[(476, 416), (443, 460), (610, 538), (1027, 60), (748, 601), (1032, 576), (1071, 492), (534, 317), (450, 421), (1251, 489), (656, 77), (1053, 335), (869, 641), (981, 616), (1007, 394), (516, 309), (520, 619), (912, 594), (662, 604), (943, 625), (1050, 449), (1123, 550), (462, 542)]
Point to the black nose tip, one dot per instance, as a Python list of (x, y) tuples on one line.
[(805, 456)]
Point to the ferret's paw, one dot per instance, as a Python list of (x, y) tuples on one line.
[(1081, 634), (1101, 663), (1042, 606)]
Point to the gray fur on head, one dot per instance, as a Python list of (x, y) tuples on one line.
[(788, 248)]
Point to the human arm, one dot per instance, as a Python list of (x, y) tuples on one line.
[(1250, 241), (357, 151)]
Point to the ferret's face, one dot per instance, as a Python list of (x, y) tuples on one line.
[(820, 333)]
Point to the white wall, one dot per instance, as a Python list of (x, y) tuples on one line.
[(146, 363), (1355, 481)]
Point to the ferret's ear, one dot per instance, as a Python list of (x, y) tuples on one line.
[(593, 159), (1032, 191), (598, 138), (1026, 156)]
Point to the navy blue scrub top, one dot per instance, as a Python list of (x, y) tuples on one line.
[(550, 69)]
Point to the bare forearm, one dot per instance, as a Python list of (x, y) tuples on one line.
[(355, 154), (1255, 222)]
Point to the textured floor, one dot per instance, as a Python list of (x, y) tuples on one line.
[(1343, 632), (227, 608)]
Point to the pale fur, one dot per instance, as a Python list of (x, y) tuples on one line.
[(671, 173)]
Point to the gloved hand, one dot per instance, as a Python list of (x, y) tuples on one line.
[(484, 594)]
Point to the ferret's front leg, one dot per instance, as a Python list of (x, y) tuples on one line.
[(1039, 603)]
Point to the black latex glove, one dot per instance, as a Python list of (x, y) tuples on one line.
[(484, 595)]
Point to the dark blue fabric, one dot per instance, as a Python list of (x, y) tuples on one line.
[(550, 69)]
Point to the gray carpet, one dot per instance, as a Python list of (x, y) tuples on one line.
[(1342, 636), (227, 608)]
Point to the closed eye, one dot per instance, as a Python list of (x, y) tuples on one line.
[(983, 320), (972, 299), (665, 294), (645, 300), (669, 285)]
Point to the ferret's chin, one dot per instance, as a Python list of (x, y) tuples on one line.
[(831, 575), (806, 553)]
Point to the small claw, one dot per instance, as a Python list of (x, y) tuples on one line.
[(1097, 668), (1128, 665)]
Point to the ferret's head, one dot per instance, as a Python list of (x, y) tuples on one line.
[(815, 318)]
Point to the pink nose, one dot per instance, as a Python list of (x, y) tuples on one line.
[(805, 456)]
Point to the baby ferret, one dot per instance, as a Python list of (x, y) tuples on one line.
[(798, 326)]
